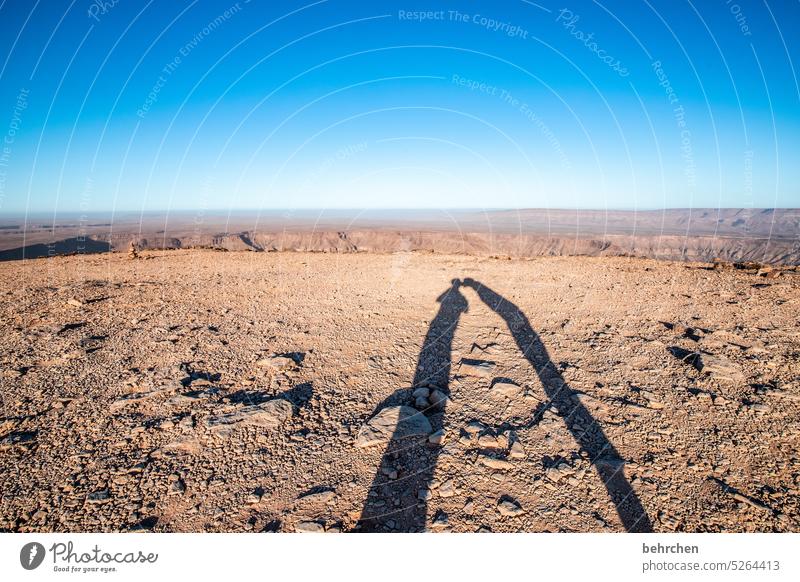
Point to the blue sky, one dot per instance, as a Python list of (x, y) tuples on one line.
[(332, 104)]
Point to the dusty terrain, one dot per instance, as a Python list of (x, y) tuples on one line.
[(207, 391)]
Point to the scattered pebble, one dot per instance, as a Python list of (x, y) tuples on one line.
[(509, 508)]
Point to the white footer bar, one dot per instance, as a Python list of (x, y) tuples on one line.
[(381, 557)]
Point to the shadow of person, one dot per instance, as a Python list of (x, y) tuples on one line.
[(584, 428), (396, 500)]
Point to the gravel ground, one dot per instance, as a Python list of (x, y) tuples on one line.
[(241, 391)]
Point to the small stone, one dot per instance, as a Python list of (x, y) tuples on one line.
[(560, 471), (253, 499), (319, 497), (421, 402), (509, 508), (553, 474), (447, 489), (270, 415), (475, 427), (494, 463), (394, 422), (439, 399), (40, 515), (502, 440), (720, 368), (517, 451), (76, 303), (440, 521), (437, 438), (309, 527), (276, 362), (505, 389), (424, 494), (488, 441), (652, 400), (422, 392), (479, 368), (178, 487), (100, 496), (469, 507)]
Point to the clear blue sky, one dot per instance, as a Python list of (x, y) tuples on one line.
[(180, 104)]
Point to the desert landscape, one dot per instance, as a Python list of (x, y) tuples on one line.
[(195, 390), (766, 235), (439, 269)]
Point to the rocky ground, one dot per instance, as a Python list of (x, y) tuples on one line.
[(209, 391)]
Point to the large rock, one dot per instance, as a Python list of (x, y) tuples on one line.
[(270, 414), (394, 422)]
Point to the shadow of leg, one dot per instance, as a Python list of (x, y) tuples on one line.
[(397, 498), (584, 428)]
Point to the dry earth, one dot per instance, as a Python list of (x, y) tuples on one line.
[(208, 391)]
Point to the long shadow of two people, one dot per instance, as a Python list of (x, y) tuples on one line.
[(397, 499)]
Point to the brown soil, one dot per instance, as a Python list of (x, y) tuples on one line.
[(584, 394)]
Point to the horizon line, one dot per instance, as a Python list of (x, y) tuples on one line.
[(320, 209)]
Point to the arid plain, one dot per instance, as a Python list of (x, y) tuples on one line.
[(197, 390)]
